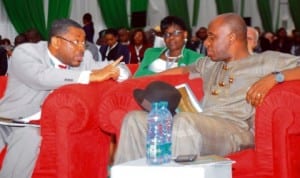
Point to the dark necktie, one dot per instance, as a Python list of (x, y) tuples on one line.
[(200, 47)]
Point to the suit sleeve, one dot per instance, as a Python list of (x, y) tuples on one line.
[(30, 64)]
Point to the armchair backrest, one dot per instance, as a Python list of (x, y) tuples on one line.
[(132, 67)]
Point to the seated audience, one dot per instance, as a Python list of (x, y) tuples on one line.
[(197, 42), (19, 39), (295, 49), (252, 39), (113, 49), (282, 43), (175, 54), (123, 34), (33, 36), (265, 40), (226, 123), (6, 44), (138, 45), (101, 40)]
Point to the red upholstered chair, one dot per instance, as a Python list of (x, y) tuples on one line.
[(119, 100), (3, 81), (277, 137), (277, 126), (132, 67), (73, 145)]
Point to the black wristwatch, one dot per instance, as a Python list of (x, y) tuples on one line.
[(279, 77)]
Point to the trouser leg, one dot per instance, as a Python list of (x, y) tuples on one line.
[(22, 152), (194, 132), (186, 139), (132, 143), (5, 131)]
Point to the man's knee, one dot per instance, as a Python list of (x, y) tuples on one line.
[(134, 118)]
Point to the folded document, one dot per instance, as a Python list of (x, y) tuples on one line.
[(188, 102)]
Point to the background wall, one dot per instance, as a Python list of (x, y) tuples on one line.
[(157, 10)]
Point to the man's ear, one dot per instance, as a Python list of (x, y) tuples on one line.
[(232, 37), (54, 42)]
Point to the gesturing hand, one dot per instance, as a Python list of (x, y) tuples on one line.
[(111, 71)]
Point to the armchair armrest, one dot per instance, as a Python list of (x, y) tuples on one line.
[(119, 101), (3, 82), (72, 144), (277, 132)]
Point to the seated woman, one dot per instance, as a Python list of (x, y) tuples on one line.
[(138, 45), (175, 54)]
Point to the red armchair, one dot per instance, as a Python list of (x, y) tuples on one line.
[(277, 134), (73, 146), (119, 100)]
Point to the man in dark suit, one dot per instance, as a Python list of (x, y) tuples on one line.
[(197, 42), (113, 49)]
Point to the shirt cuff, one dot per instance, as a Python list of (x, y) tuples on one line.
[(84, 77)]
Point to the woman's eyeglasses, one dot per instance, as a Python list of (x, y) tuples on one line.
[(175, 33)]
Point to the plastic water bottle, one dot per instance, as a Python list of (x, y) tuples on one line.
[(159, 134), (155, 136), (167, 131)]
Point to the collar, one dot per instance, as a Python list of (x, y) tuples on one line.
[(56, 63)]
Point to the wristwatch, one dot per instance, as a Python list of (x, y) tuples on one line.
[(279, 77)]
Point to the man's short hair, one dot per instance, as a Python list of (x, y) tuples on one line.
[(236, 24), (111, 31), (61, 26)]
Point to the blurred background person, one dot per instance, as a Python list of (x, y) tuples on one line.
[(6, 44), (265, 41), (123, 34), (295, 49), (138, 45), (33, 36), (112, 50), (197, 42), (19, 39), (88, 27), (252, 39), (283, 43), (101, 40)]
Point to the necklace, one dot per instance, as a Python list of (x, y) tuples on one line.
[(171, 59), (223, 80)]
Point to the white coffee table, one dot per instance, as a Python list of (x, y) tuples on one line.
[(140, 169)]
